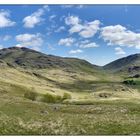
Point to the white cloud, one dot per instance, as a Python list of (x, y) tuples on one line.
[(72, 20), (87, 30), (61, 28), (5, 19), (121, 36), (119, 51), (30, 40), (46, 7), (90, 29), (66, 41), (89, 45), (35, 18), (76, 28), (18, 45), (75, 51)]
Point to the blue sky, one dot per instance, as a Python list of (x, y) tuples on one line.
[(97, 33)]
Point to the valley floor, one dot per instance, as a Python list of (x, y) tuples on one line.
[(24, 117)]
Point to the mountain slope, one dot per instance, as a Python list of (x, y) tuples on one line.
[(129, 65), (46, 73), (27, 58), (26, 69)]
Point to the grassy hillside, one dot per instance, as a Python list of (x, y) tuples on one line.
[(19, 116), (28, 58), (30, 69), (49, 95), (129, 65)]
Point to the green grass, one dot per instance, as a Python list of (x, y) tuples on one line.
[(83, 113), (20, 116)]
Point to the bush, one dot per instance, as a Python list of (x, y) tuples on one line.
[(31, 95), (58, 98), (49, 98), (129, 82), (66, 96)]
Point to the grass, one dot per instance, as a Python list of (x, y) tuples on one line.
[(84, 112), (100, 118)]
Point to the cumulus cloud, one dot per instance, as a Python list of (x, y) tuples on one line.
[(76, 28), (35, 18), (119, 51), (75, 51), (86, 30), (5, 20), (88, 45), (90, 29), (30, 40), (72, 20), (121, 36), (66, 41)]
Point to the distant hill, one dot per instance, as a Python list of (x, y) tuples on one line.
[(129, 65), (28, 58)]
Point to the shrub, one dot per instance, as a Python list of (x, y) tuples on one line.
[(129, 82), (66, 96), (48, 98), (30, 95), (58, 98)]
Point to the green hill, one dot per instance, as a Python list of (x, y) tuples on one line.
[(47, 73), (28, 58), (128, 65)]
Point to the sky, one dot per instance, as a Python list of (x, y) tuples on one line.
[(97, 33)]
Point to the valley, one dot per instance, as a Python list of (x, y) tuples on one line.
[(49, 95)]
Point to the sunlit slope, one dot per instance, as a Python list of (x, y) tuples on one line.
[(46, 74), (23, 69)]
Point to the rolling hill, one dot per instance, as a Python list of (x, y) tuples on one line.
[(129, 65), (28, 58), (28, 69)]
